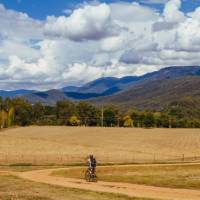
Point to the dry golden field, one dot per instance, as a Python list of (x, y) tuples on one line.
[(67, 145)]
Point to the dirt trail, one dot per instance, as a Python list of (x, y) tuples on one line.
[(132, 190)]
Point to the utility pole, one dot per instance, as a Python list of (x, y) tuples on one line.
[(170, 123), (102, 116)]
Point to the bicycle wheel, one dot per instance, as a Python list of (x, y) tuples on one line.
[(94, 178), (87, 176)]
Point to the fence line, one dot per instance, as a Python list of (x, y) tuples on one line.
[(61, 159)]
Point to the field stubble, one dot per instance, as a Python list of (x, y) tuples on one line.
[(67, 145)]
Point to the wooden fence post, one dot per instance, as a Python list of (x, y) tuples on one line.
[(154, 158), (183, 158)]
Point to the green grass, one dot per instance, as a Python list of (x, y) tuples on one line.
[(173, 176), (13, 188)]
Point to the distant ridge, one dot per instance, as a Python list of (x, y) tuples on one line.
[(155, 94), (150, 91), (14, 93)]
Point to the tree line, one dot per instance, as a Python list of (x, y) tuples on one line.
[(18, 112)]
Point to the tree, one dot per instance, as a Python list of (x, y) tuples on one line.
[(1, 103), (23, 112), (3, 118), (137, 118), (149, 120), (74, 121), (88, 114), (10, 117), (7, 104), (128, 122), (17, 111), (111, 116), (65, 109), (162, 120), (194, 123), (38, 112)]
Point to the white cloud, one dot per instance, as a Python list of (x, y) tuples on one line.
[(172, 11), (87, 23), (187, 36), (195, 14), (95, 40), (115, 43), (19, 25), (9, 47), (132, 12)]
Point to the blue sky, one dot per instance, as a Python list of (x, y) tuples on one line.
[(39, 9)]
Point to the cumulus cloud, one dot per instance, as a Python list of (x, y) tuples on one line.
[(132, 12), (11, 47), (187, 36), (163, 25), (131, 57), (196, 14), (115, 43), (172, 11), (87, 23), (19, 25), (95, 40)]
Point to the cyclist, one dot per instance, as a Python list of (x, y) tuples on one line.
[(90, 174), (91, 164)]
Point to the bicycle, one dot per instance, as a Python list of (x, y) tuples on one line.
[(90, 176)]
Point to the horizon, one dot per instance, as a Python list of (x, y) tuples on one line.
[(81, 85), (72, 43), (94, 80)]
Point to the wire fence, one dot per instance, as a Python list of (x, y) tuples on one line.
[(64, 159)]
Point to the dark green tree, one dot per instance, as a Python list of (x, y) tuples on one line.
[(23, 112), (88, 114), (38, 113), (111, 116), (137, 117), (64, 110), (149, 120)]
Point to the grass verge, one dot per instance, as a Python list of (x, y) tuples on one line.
[(173, 176)]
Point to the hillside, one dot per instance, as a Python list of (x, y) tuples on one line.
[(155, 94), (148, 91), (115, 88), (102, 85), (186, 108), (14, 93), (49, 97)]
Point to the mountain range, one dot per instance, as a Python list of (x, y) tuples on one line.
[(14, 93), (150, 91)]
